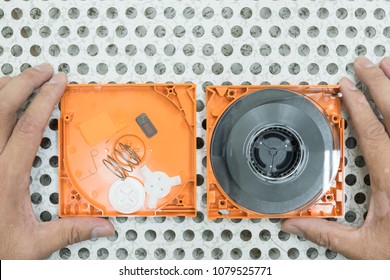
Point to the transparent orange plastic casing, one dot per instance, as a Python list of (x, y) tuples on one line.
[(95, 119), (329, 204)]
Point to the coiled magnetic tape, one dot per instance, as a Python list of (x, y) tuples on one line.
[(274, 151)]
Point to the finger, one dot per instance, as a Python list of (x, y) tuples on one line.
[(385, 66), (27, 134), (20, 88), (58, 234), (373, 139), (334, 236), (14, 92), (6, 123), (377, 83), (4, 80)]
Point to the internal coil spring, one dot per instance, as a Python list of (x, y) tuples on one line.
[(128, 155)]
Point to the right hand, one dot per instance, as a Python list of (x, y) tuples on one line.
[(372, 239)]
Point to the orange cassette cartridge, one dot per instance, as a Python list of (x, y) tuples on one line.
[(274, 151), (127, 150)]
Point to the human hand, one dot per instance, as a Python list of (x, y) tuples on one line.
[(22, 236), (372, 239)]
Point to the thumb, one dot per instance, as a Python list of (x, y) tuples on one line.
[(63, 232), (332, 235)]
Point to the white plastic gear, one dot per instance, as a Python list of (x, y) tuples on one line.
[(204, 42), (127, 196), (157, 185)]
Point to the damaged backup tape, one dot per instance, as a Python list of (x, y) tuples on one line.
[(127, 150), (274, 151)]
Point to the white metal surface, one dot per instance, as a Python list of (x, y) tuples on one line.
[(205, 42)]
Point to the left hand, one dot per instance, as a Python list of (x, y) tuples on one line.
[(22, 236)]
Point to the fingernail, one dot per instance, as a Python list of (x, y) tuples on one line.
[(386, 61), (349, 84), (101, 231), (293, 230), (44, 67), (54, 79), (364, 62)]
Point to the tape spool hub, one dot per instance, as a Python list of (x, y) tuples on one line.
[(276, 153)]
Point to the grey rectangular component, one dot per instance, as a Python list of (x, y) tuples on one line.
[(146, 125)]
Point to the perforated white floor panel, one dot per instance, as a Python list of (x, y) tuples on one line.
[(203, 42)]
